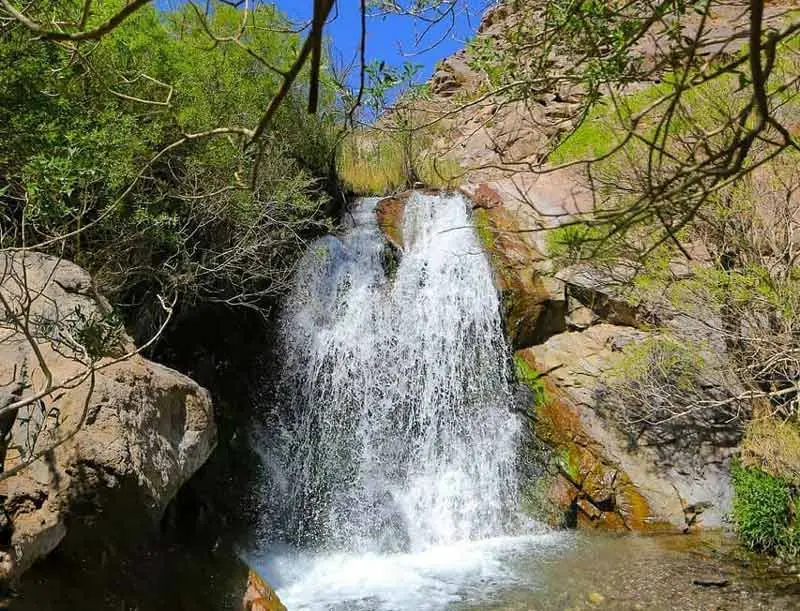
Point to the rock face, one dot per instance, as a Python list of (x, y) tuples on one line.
[(672, 476), (534, 303), (389, 213), (97, 459), (259, 596)]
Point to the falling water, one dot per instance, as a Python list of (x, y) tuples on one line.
[(396, 433)]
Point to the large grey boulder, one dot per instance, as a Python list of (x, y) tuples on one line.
[(122, 440), (679, 466)]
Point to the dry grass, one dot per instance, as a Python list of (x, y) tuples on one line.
[(773, 446), (372, 162)]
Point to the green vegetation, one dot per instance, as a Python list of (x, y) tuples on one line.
[(376, 162), (569, 466), (480, 219), (95, 164), (577, 242), (661, 359), (531, 378), (765, 511), (773, 445), (604, 126)]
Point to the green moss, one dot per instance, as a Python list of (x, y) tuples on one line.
[(535, 501), (765, 511), (480, 219), (532, 379), (569, 465)]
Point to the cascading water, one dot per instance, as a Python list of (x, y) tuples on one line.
[(396, 434)]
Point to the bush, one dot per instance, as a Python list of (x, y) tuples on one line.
[(765, 511), (87, 152)]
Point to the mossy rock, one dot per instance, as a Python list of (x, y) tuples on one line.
[(583, 484)]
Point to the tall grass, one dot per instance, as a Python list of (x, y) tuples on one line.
[(707, 105), (373, 162)]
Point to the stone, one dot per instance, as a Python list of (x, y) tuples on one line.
[(389, 212), (534, 305), (596, 598), (259, 596), (485, 197), (585, 465), (125, 439), (601, 292), (580, 317), (673, 478), (715, 581)]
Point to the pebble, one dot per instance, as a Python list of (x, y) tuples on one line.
[(596, 598)]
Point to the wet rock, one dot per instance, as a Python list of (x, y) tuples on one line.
[(715, 581), (389, 212), (587, 478), (534, 304), (259, 596)]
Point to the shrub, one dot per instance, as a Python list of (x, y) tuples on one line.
[(765, 511), (92, 169)]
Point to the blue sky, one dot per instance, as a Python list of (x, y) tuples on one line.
[(391, 39)]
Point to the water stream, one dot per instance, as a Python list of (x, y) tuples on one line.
[(395, 461)]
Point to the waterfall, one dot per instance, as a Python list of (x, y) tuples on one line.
[(395, 431)]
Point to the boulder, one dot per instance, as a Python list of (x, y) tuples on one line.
[(389, 212), (674, 476), (453, 74), (602, 291), (97, 459)]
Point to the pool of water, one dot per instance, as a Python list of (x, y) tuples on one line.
[(557, 570), (560, 570), (440, 577)]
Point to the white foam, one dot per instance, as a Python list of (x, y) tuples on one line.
[(468, 574)]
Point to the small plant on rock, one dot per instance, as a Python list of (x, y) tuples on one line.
[(765, 510)]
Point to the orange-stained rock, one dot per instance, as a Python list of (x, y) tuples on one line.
[(535, 306), (259, 596), (661, 484), (590, 479), (389, 213), (486, 197)]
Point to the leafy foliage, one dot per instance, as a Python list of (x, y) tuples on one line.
[(765, 511), (91, 170)]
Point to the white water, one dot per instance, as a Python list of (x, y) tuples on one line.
[(394, 475)]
